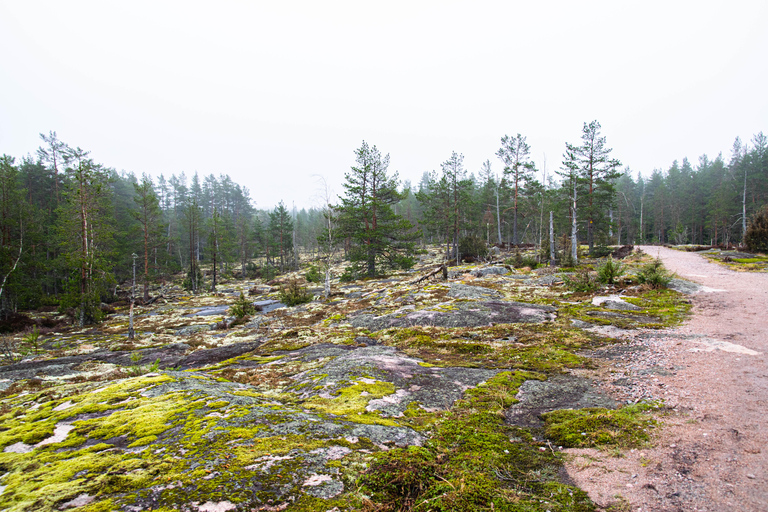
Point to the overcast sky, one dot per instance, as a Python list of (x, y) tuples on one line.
[(275, 93)]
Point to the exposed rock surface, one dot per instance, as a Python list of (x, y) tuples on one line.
[(286, 410), (557, 392), (460, 314)]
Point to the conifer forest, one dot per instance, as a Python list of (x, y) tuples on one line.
[(448, 345), (74, 229)]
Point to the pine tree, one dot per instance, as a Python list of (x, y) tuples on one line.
[(378, 237), (596, 175), (518, 169), (86, 228), (281, 234), (458, 186), (148, 215)]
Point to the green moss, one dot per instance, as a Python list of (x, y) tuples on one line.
[(628, 426), (750, 260), (470, 462), (351, 401)]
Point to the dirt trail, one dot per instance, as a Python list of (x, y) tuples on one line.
[(711, 453)]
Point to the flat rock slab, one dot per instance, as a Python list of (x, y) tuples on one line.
[(168, 356), (490, 271), (464, 291), (265, 306), (689, 287), (460, 314), (612, 315), (558, 392), (210, 311), (433, 388)]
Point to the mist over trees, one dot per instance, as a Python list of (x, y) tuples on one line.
[(72, 228)]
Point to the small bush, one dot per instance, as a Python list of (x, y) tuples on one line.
[(601, 251), (251, 270), (756, 236), (12, 350), (268, 272), (609, 271), (655, 275), (473, 247), (313, 275), (242, 307), (582, 282), (187, 284), (566, 259), (293, 294)]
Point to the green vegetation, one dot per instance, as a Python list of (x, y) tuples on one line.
[(756, 236), (654, 274), (293, 294), (608, 272), (313, 275), (470, 462), (584, 281), (578, 428), (242, 307)]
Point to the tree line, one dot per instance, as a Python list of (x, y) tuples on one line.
[(71, 229)]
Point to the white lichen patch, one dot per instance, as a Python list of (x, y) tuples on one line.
[(333, 452), (221, 506), (316, 480), (266, 462)]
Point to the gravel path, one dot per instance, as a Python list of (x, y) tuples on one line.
[(712, 373)]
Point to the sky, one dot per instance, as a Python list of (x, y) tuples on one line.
[(280, 94)]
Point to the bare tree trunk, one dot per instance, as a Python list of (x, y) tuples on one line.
[(498, 215), (551, 240), (574, 229), (744, 207)]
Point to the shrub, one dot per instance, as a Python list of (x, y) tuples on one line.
[(601, 251), (609, 271), (251, 270), (566, 259), (583, 281), (268, 272), (756, 236), (242, 307), (293, 294), (520, 261), (187, 284), (313, 275), (11, 350), (473, 247), (654, 274)]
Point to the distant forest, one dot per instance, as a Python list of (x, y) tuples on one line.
[(72, 228)]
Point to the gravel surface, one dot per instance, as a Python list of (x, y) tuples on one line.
[(710, 453)]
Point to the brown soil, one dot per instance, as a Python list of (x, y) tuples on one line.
[(710, 452)]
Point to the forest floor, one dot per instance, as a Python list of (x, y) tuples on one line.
[(712, 373)]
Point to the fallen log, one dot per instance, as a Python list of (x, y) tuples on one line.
[(441, 268)]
